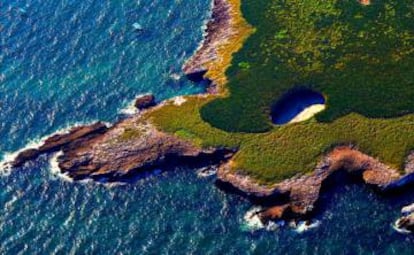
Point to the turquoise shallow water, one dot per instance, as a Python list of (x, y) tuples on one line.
[(63, 62)]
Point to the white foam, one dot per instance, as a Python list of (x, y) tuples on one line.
[(108, 185), (69, 218), (252, 221), (10, 203), (130, 108), (55, 170), (407, 209), (5, 170), (206, 171), (400, 230), (304, 226), (114, 184), (175, 76), (9, 157), (179, 100), (273, 226)]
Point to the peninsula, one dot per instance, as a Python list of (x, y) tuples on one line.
[(352, 61)]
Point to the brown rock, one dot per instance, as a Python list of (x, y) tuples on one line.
[(219, 28), (303, 190), (144, 102), (127, 148), (58, 142), (273, 213), (25, 156)]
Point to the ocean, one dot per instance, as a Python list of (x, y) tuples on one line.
[(71, 62)]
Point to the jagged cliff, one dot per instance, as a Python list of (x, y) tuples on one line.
[(113, 153), (303, 191)]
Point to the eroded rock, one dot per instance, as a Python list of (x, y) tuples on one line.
[(273, 213), (406, 223), (127, 148), (145, 101), (73, 138), (218, 29), (304, 190)]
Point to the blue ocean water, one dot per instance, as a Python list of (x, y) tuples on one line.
[(63, 62)]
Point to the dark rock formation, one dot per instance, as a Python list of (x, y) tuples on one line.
[(273, 213), (218, 30), (115, 157), (303, 190), (144, 102), (73, 138), (118, 152), (406, 223)]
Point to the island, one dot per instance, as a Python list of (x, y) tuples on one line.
[(299, 90)]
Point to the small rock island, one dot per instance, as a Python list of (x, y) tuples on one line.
[(357, 57)]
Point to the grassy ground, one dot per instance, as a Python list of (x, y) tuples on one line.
[(355, 55), (360, 57), (291, 149)]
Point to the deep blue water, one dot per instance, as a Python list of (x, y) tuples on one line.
[(63, 62)]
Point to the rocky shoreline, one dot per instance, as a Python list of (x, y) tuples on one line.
[(302, 192), (222, 37), (113, 153), (134, 145), (218, 29)]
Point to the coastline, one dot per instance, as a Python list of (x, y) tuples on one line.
[(302, 192), (119, 151), (134, 144), (224, 35)]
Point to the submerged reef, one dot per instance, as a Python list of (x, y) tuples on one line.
[(357, 56)]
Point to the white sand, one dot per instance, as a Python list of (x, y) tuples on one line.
[(308, 113)]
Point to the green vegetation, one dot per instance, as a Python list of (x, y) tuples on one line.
[(292, 149), (360, 57)]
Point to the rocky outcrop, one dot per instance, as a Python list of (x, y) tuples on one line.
[(71, 139), (128, 148), (273, 213), (219, 29), (145, 102), (406, 222), (132, 145), (303, 190), (123, 150), (216, 31)]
